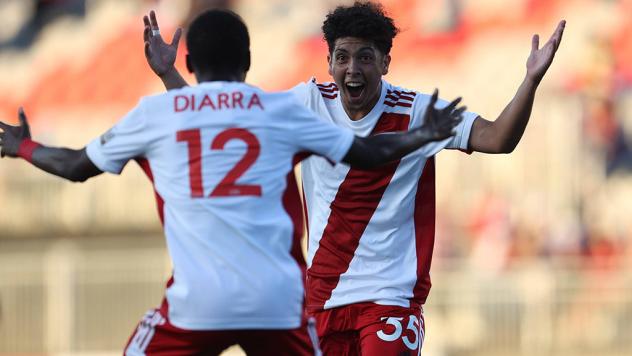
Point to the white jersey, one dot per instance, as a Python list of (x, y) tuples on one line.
[(221, 155), (371, 233)]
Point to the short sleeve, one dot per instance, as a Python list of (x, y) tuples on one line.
[(312, 134), (459, 141), (124, 141), (303, 91)]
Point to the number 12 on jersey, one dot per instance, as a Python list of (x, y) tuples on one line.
[(227, 187)]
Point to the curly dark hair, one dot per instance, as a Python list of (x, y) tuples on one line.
[(365, 20)]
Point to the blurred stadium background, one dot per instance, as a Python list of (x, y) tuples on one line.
[(533, 251)]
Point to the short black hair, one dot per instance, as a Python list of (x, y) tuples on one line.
[(218, 40), (365, 20)]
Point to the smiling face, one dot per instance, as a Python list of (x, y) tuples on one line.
[(357, 67)]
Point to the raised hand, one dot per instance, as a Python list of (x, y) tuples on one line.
[(541, 58), (11, 136), (160, 55), (439, 124)]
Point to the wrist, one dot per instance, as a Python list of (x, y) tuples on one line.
[(532, 81), (26, 149), (169, 73)]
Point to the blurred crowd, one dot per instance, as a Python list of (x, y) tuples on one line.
[(495, 220)]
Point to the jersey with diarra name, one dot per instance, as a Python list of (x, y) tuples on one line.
[(221, 156), (371, 233)]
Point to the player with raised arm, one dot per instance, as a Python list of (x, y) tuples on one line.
[(371, 233), (221, 156)]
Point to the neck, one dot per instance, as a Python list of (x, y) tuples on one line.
[(220, 77)]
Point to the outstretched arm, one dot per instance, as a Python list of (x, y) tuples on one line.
[(74, 165), (373, 151), (160, 55), (503, 135)]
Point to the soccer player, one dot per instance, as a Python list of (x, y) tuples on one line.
[(371, 233), (221, 156)]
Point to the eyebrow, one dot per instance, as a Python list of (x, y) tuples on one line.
[(363, 49)]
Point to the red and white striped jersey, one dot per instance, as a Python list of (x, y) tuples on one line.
[(371, 233), (221, 156)]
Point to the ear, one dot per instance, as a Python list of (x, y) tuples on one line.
[(247, 62), (189, 64), (330, 69), (386, 63)]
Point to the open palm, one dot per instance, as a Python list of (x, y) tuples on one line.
[(541, 58), (439, 124), (12, 136), (160, 55)]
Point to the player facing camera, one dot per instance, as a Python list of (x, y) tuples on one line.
[(220, 156)]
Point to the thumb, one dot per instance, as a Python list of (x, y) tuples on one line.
[(176, 38), (22, 117), (26, 130), (535, 43)]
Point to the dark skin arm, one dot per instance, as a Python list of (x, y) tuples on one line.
[(503, 134), (373, 151), (67, 163), (364, 153)]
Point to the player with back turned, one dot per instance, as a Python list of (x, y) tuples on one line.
[(371, 234), (221, 156)]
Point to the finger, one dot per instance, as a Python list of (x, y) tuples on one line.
[(147, 33), (434, 97), (559, 31), (535, 43), (459, 111), (176, 38), (556, 37), (451, 122), (146, 21), (22, 117), (4, 126), (153, 20), (452, 105), (147, 50), (457, 114)]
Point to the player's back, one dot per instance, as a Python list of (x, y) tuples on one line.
[(221, 155)]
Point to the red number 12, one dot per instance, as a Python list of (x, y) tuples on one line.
[(227, 186)]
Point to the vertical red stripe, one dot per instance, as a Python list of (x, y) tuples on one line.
[(424, 218), (292, 205), (350, 212), (160, 203)]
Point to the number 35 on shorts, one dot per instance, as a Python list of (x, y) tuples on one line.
[(414, 325)]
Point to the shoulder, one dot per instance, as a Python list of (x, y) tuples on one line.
[(399, 96), (397, 99), (283, 103), (313, 90), (327, 90)]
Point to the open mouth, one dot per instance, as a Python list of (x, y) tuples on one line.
[(354, 89)]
